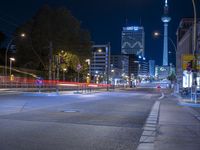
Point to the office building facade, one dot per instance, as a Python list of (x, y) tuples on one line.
[(143, 68), (132, 46), (100, 62), (133, 39), (116, 61), (185, 46), (152, 68), (120, 62)]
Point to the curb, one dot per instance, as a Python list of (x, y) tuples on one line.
[(188, 106), (163, 95), (150, 129)]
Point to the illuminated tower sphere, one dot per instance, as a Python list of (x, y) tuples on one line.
[(165, 19)]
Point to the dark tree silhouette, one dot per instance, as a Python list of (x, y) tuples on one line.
[(51, 27)]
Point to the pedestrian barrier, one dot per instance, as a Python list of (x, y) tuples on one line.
[(40, 85)]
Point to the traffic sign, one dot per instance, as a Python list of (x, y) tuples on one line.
[(188, 62)]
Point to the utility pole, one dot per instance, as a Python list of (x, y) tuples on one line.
[(54, 67), (57, 67), (50, 59), (194, 83), (108, 64)]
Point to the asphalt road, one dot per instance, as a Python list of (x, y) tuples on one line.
[(101, 121)]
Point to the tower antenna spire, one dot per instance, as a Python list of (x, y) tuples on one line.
[(126, 21), (166, 3), (165, 19)]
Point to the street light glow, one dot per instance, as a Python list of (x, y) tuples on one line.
[(12, 59), (88, 61), (99, 50), (156, 34), (23, 34)]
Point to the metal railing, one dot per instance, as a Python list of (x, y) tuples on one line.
[(31, 84)]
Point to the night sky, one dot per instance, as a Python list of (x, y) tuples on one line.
[(105, 18)]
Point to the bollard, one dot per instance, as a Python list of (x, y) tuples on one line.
[(57, 90)]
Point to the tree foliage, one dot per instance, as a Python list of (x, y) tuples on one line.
[(2, 37), (2, 49), (56, 26), (68, 60), (172, 77)]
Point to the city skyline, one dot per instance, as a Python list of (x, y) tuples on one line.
[(105, 23)]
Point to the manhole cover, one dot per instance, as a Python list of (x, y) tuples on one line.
[(69, 111)]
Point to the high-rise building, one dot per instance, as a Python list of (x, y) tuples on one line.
[(152, 68), (165, 19), (132, 46), (133, 66), (125, 64), (133, 39), (120, 62), (100, 62), (116, 61), (143, 68)]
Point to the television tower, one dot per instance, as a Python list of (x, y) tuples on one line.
[(165, 19)]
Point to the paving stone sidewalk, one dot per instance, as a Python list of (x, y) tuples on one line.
[(178, 127)]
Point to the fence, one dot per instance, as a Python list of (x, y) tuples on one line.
[(31, 84)]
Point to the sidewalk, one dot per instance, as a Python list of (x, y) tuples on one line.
[(188, 103), (178, 129)]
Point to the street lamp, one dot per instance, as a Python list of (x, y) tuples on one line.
[(157, 34), (11, 60), (7, 48), (108, 64), (195, 26), (64, 70), (89, 73), (23, 34), (194, 54)]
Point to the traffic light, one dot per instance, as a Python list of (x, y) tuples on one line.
[(189, 66)]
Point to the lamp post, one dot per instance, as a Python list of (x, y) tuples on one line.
[(108, 64), (11, 60), (157, 34), (64, 70), (89, 73), (7, 48), (194, 84), (112, 76), (79, 67), (96, 77), (195, 27)]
